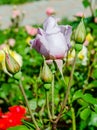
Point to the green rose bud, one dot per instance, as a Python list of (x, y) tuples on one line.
[(80, 32), (46, 74), (11, 64)]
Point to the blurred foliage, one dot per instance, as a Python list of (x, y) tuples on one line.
[(15, 1)]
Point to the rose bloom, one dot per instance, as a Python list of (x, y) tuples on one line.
[(50, 11), (11, 42), (53, 41), (79, 14), (12, 118), (31, 30), (16, 13), (95, 20)]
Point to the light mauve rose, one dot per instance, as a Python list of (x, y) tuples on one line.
[(53, 41)]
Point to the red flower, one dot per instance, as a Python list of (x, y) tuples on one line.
[(17, 109), (12, 118)]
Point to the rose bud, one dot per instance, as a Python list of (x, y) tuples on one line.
[(11, 64), (80, 32), (46, 74), (2, 62)]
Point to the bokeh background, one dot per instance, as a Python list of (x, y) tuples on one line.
[(35, 10)]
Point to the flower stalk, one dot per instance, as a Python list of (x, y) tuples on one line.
[(73, 119), (47, 102), (68, 90), (53, 98), (27, 104)]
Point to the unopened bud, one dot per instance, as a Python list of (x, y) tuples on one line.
[(46, 74), (11, 64), (2, 62), (80, 32)]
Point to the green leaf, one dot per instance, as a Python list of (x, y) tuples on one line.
[(95, 13), (95, 108), (82, 102), (93, 119), (94, 74), (28, 124), (33, 104), (85, 113), (20, 127), (77, 94), (89, 99), (86, 3), (93, 26), (41, 102), (93, 84), (18, 75)]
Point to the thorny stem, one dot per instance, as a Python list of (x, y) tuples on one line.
[(91, 9), (73, 119), (47, 101), (54, 126), (68, 90), (27, 104), (53, 97)]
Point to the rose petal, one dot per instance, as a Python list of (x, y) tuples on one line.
[(60, 66), (67, 31), (40, 44), (50, 26), (57, 46)]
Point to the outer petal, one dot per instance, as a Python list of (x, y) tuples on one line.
[(67, 31), (40, 44), (60, 66), (50, 26), (2, 62)]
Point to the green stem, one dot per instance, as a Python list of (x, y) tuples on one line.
[(91, 9), (27, 104), (53, 98), (48, 108), (68, 90), (90, 67), (73, 119)]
